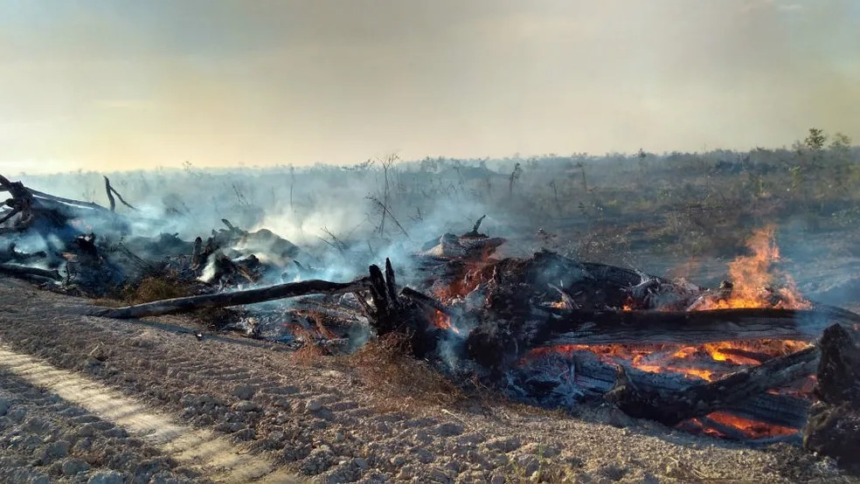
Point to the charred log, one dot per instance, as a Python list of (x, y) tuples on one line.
[(238, 298), (404, 312), (698, 400), (689, 328), (834, 423), (30, 273), (839, 369)]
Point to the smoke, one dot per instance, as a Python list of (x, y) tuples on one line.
[(136, 86)]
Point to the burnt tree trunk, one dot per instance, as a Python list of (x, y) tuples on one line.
[(689, 328), (698, 400), (834, 422)]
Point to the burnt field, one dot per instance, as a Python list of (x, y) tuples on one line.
[(709, 296)]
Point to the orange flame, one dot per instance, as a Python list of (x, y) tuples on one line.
[(443, 321), (752, 277)]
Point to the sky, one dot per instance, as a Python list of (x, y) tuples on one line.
[(112, 85)]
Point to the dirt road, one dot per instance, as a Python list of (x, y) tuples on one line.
[(146, 401)]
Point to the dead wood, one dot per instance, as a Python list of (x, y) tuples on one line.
[(29, 272), (839, 369), (407, 313), (698, 400), (834, 422), (110, 195), (13, 255), (237, 298), (689, 328), (111, 191), (475, 229)]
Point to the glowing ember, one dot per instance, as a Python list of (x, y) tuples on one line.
[(442, 321), (707, 362), (752, 279), (751, 429)]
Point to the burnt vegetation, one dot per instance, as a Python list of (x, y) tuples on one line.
[(553, 281)]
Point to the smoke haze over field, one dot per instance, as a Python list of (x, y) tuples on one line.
[(121, 85)]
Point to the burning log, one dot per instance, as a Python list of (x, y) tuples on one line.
[(699, 400), (689, 328), (228, 299), (593, 377)]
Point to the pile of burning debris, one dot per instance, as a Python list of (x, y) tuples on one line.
[(751, 360)]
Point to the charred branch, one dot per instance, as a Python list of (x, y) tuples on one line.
[(237, 298), (111, 191)]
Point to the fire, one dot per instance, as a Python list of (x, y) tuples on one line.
[(751, 429), (708, 362), (752, 278), (443, 321)]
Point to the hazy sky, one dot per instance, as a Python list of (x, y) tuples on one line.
[(129, 84)]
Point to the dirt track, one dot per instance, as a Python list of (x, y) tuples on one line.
[(314, 422)]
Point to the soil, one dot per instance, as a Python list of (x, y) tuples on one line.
[(315, 420)]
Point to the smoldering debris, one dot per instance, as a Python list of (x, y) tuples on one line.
[(545, 329)]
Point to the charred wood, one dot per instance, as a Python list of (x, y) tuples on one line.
[(834, 422), (29, 272), (839, 369), (698, 400), (237, 298), (689, 328), (834, 431)]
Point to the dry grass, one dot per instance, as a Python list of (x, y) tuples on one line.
[(155, 289), (386, 368)]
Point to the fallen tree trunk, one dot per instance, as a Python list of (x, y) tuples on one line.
[(29, 272), (594, 377), (688, 328), (671, 408), (228, 299)]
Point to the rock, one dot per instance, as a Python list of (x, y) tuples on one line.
[(246, 406), (424, 456), (107, 477), (449, 429), (74, 467), (244, 392), (361, 463), (87, 430), (246, 434), (528, 463), (397, 460), (313, 405), (99, 353), (504, 444), (4, 406), (438, 475), (497, 479), (54, 451)]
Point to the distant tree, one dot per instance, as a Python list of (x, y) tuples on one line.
[(840, 143), (816, 139)]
